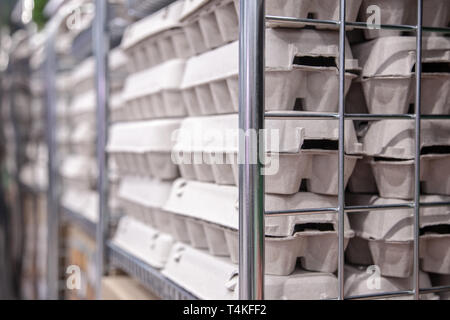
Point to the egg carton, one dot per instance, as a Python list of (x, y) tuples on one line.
[(118, 111), (436, 13), (83, 139), (209, 24), (388, 78), (395, 179), (156, 39), (441, 280), (312, 237), (79, 171), (301, 68), (81, 201), (389, 236), (144, 148), (362, 179), (155, 92), (142, 241), (82, 107), (117, 62), (360, 281), (82, 77), (210, 277), (207, 150), (143, 198), (396, 138)]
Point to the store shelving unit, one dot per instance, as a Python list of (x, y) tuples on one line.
[(252, 112), (251, 186)]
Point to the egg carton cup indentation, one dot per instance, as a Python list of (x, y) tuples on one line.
[(301, 65), (195, 223), (185, 264)]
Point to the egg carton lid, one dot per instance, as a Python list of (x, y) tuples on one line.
[(395, 138), (116, 101), (85, 70), (83, 132), (143, 136), (191, 7), (213, 277), (357, 280), (395, 56), (165, 19), (142, 241), (220, 133), (117, 59), (220, 206), (78, 166), (165, 76), (150, 193), (83, 103), (398, 224), (283, 45)]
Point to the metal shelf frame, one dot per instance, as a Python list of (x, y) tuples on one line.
[(251, 111), (251, 180)]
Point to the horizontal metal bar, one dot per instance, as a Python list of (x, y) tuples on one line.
[(382, 295), (376, 207), (372, 117), (354, 209), (351, 25), (301, 115), (350, 116), (436, 289), (302, 21), (300, 211), (435, 204)]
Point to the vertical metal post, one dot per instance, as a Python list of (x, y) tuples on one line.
[(101, 48), (251, 121), (417, 148), (341, 160), (53, 220)]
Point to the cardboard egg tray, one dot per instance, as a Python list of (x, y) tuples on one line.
[(395, 139), (144, 242), (156, 39), (436, 13), (301, 70), (155, 92), (388, 79), (209, 24), (206, 150), (312, 237), (360, 281), (388, 234), (144, 148), (212, 277)]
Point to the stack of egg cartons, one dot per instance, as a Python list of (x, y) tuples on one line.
[(78, 168), (140, 138), (117, 73), (184, 63), (301, 164), (384, 239)]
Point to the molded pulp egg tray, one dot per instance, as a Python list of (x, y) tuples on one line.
[(312, 237), (206, 150), (387, 236), (301, 72)]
